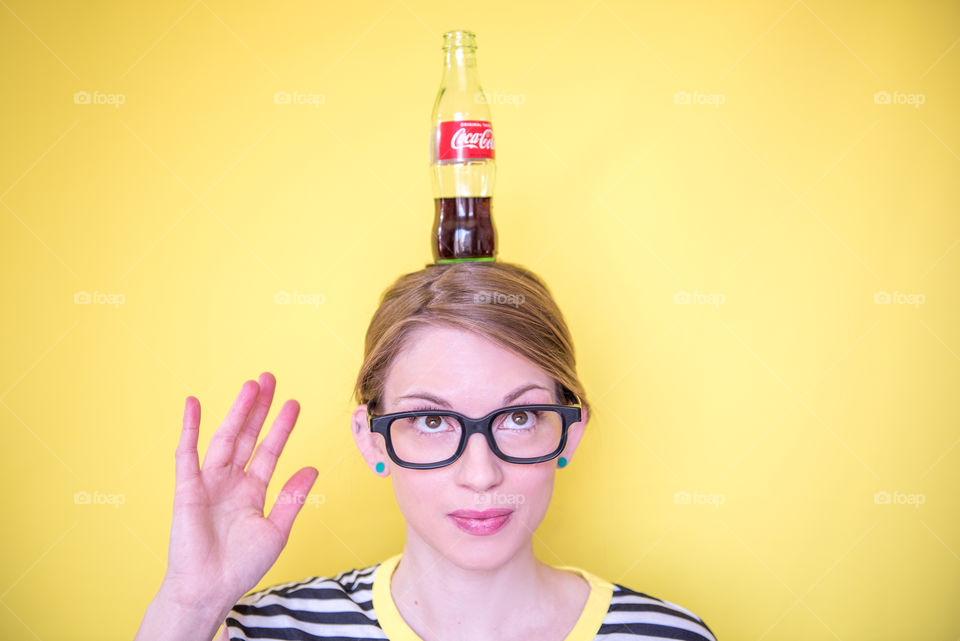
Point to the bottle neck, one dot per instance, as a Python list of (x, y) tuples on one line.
[(460, 68)]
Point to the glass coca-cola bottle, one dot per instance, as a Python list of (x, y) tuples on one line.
[(462, 158)]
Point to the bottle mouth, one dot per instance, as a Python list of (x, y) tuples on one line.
[(460, 38)]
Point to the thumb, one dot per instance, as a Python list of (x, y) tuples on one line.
[(291, 499)]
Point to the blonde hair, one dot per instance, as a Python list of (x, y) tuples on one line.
[(502, 301)]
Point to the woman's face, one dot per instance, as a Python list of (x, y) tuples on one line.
[(474, 376)]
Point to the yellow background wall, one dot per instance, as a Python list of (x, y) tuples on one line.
[(736, 153)]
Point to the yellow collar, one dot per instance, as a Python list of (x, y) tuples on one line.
[(396, 629)]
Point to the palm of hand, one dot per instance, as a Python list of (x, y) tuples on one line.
[(220, 540)]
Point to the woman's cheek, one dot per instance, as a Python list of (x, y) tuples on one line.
[(537, 501), (418, 498)]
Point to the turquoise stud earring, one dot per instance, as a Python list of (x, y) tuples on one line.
[(561, 462), (380, 467)]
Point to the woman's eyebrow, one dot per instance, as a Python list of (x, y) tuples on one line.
[(506, 399)]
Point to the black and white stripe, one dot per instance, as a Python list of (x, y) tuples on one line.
[(634, 615)]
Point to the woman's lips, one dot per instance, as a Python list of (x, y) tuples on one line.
[(485, 514), (481, 523)]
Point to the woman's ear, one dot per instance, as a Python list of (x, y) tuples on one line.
[(574, 434), (370, 444)]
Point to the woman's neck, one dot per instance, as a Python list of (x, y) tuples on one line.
[(441, 599)]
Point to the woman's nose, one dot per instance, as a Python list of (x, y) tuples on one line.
[(478, 462)]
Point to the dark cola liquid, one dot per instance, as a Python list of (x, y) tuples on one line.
[(463, 229)]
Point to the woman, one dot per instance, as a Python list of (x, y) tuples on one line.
[(448, 346)]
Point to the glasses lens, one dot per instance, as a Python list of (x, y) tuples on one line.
[(518, 433), (528, 433), (425, 439)]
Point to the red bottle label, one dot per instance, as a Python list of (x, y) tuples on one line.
[(464, 139)]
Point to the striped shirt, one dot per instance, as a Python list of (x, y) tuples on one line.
[(357, 604)]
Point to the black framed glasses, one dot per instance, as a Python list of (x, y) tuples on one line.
[(428, 439)]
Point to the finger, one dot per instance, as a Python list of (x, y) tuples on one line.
[(221, 445), (251, 429), (265, 457), (187, 466), (291, 499)]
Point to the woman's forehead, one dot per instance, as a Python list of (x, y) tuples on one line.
[(455, 364), (442, 347)]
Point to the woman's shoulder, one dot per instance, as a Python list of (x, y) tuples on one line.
[(339, 605), (633, 612), (351, 582)]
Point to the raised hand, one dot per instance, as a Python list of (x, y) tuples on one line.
[(221, 544)]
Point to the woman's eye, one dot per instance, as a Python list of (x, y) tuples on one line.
[(523, 419), (430, 423)]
